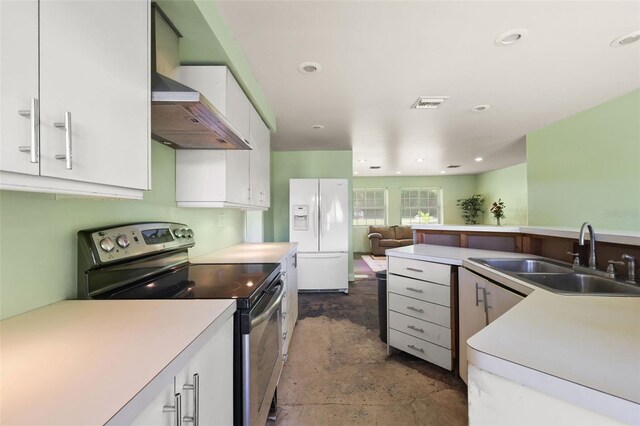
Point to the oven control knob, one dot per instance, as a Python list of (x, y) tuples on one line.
[(122, 241), (178, 233), (189, 233), (106, 244)]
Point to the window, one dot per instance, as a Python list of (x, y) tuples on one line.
[(369, 206), (420, 205)]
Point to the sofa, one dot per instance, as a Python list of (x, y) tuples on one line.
[(383, 237)]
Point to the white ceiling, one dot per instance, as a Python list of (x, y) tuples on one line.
[(378, 57)]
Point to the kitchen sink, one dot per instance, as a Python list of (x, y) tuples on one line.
[(526, 265), (581, 283), (559, 277)]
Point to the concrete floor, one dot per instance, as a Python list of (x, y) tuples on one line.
[(338, 372)]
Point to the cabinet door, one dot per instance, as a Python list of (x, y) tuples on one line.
[(18, 85), (238, 107), (237, 166), (472, 317), (292, 282), (213, 365), (154, 413), (258, 158), (499, 301), (94, 64)]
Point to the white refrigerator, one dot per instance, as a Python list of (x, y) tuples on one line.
[(319, 223)]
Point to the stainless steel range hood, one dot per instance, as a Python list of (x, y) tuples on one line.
[(181, 117)]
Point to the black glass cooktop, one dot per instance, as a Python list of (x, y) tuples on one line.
[(244, 282)]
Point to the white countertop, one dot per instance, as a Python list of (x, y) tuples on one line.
[(583, 349), (249, 253), (448, 255), (83, 360), (606, 235)]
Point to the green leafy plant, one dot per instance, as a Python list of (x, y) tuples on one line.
[(424, 217), (471, 207), (497, 210)]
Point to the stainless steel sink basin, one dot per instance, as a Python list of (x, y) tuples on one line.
[(581, 283), (526, 265)]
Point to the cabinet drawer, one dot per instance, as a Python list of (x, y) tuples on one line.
[(426, 271), (429, 292), (424, 330), (425, 350), (426, 311)]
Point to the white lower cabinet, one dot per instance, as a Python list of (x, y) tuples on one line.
[(202, 391), (419, 309), (480, 303)]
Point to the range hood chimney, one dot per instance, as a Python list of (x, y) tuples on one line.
[(181, 117)]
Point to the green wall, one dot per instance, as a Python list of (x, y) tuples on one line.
[(302, 164), (510, 185), (38, 234), (587, 168), (453, 188)]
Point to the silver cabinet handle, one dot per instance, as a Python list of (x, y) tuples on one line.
[(34, 117), (417, 290), (412, 308), (175, 408), (477, 289), (413, 327), (195, 387), (415, 348), (68, 141), (414, 269), (486, 305)]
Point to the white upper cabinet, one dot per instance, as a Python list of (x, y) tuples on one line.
[(94, 97), (225, 178), (260, 161), (19, 84)]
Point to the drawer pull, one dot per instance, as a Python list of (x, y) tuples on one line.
[(417, 290), (413, 327), (414, 269), (415, 348), (412, 308)]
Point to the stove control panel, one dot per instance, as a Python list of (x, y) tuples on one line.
[(127, 241)]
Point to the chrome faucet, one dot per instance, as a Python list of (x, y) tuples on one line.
[(592, 238), (631, 267)]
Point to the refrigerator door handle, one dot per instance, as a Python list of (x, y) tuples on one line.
[(320, 215), (314, 215)]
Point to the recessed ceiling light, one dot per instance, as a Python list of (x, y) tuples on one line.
[(443, 171), (398, 172), (510, 37), (362, 161), (478, 159), (317, 126), (480, 108), (420, 160), (626, 39), (355, 173), (309, 67)]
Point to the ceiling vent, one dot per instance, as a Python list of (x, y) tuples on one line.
[(374, 167), (429, 102), (454, 166)]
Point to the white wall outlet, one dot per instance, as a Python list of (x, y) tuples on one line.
[(221, 220)]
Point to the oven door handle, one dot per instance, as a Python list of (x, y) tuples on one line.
[(273, 305)]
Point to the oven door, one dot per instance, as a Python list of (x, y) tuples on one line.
[(262, 356)]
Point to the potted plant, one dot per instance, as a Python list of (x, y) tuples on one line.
[(471, 207), (497, 210)]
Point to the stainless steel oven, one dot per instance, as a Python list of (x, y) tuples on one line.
[(150, 261), (262, 356)]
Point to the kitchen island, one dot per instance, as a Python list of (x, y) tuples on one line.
[(581, 350)]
